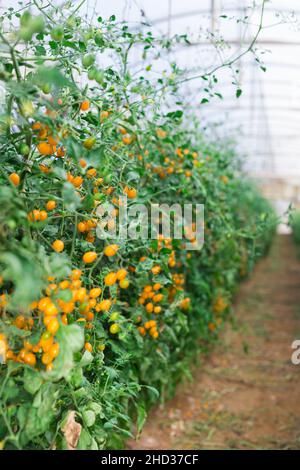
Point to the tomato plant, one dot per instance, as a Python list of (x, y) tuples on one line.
[(94, 331), (294, 222)]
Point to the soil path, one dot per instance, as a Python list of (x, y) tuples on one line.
[(246, 394)]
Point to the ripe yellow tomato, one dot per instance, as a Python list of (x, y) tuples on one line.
[(110, 279), (142, 330), (88, 347), (89, 257), (156, 269), (131, 192), (54, 350), (158, 298), (15, 179), (111, 250), (50, 205), (76, 274), (53, 326), (121, 274), (81, 227), (85, 105), (77, 181), (91, 173), (30, 359), (47, 358), (124, 283), (45, 149), (149, 307), (103, 306), (51, 310), (95, 292), (58, 246), (82, 163), (43, 215)]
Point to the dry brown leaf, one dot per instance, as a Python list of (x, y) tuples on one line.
[(71, 430)]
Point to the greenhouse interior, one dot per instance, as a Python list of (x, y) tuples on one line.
[(149, 227)]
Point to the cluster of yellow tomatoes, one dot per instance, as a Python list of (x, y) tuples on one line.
[(86, 304), (52, 310), (175, 164)]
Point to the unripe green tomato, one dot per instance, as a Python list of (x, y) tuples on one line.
[(114, 328), (27, 108), (89, 35), (11, 410), (87, 337), (71, 22), (114, 316), (25, 34), (99, 197), (99, 77), (37, 24), (24, 149), (46, 88), (57, 34), (83, 307), (101, 347), (88, 60), (108, 178), (99, 39), (11, 224), (89, 143), (92, 73), (46, 335), (25, 18)]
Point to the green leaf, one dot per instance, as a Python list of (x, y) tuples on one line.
[(23, 268), (153, 390), (88, 203), (74, 148), (64, 294), (86, 359), (85, 441), (52, 76), (76, 377), (95, 407), (59, 265), (238, 92), (70, 197), (41, 413), (71, 340), (89, 417), (175, 115), (141, 418), (32, 381)]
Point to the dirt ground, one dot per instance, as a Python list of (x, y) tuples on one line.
[(246, 395)]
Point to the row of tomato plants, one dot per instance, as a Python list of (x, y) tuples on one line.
[(94, 331), (294, 222)]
